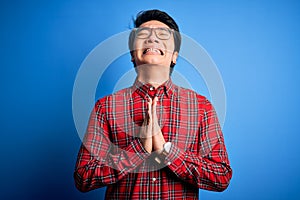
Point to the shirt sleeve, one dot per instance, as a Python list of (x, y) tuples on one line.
[(208, 168), (100, 162)]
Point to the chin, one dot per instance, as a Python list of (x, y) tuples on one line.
[(153, 60)]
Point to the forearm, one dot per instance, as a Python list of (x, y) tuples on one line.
[(92, 172), (210, 173), (88, 176)]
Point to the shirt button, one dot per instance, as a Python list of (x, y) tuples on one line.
[(169, 163), (153, 179), (151, 88)]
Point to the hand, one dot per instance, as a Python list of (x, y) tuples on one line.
[(150, 133), (146, 129), (158, 139)]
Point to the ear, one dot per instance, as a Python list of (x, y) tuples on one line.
[(174, 57), (132, 56)]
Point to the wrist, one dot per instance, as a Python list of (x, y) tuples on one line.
[(163, 153)]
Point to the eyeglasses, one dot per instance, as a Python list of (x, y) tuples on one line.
[(161, 33)]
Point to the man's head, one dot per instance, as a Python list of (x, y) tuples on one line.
[(155, 39)]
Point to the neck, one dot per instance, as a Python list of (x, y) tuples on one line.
[(153, 74)]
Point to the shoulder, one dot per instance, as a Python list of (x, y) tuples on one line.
[(189, 93), (113, 98), (186, 94)]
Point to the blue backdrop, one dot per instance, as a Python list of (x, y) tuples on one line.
[(255, 45)]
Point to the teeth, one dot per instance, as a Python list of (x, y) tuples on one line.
[(152, 50)]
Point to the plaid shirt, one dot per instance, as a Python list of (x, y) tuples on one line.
[(112, 154)]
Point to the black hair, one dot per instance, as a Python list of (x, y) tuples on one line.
[(148, 15)]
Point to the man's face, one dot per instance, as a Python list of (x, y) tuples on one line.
[(154, 49)]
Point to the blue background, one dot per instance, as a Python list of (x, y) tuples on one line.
[(255, 45)]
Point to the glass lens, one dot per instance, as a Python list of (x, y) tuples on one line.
[(143, 33), (163, 33)]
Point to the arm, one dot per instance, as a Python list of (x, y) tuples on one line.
[(209, 168), (99, 162)]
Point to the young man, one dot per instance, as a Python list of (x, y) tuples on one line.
[(154, 140)]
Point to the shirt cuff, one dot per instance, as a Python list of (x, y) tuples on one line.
[(175, 159)]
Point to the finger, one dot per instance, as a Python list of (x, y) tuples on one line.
[(149, 120), (154, 116), (155, 126), (146, 130), (148, 114), (150, 110)]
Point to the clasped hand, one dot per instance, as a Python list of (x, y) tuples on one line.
[(151, 136)]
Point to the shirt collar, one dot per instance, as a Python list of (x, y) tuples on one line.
[(143, 89)]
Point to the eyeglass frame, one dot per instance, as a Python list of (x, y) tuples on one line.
[(150, 30)]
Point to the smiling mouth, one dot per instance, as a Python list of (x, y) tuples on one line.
[(153, 51)]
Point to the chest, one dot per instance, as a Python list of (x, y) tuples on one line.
[(178, 119)]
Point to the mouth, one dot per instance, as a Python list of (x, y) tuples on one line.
[(153, 51)]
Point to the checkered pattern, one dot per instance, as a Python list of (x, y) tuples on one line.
[(112, 154)]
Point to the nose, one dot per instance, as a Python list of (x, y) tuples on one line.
[(152, 37)]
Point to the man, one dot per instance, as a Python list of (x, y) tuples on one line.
[(154, 140)]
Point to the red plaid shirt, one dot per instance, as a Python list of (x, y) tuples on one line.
[(112, 154)]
